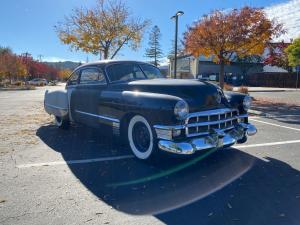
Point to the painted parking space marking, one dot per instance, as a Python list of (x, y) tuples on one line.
[(272, 116), (70, 162), (276, 125), (82, 161), (269, 144)]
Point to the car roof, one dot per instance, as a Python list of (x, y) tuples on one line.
[(108, 62)]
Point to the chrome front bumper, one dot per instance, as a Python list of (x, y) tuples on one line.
[(217, 139)]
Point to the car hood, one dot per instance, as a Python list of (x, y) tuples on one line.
[(199, 95)]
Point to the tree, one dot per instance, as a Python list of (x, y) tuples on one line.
[(11, 66), (221, 35), (180, 49), (64, 74), (103, 30), (4, 50), (277, 56), (154, 51), (293, 52), (37, 69)]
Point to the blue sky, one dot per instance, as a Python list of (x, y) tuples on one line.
[(28, 25)]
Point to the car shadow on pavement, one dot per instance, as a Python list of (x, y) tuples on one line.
[(226, 187), (278, 111)]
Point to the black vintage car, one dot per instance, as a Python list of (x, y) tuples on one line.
[(150, 112)]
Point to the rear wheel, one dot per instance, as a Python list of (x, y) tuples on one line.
[(141, 138), (61, 123)]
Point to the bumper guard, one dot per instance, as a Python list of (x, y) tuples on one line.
[(217, 139)]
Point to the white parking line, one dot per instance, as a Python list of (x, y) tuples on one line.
[(276, 125), (74, 161), (268, 144), (55, 163), (273, 116)]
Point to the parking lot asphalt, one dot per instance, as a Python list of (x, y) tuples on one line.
[(290, 96), (84, 176)]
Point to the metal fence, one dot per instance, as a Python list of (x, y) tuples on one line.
[(282, 80)]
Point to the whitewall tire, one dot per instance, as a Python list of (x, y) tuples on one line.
[(61, 123), (141, 138)]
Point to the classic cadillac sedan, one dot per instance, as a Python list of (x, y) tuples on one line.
[(150, 112)]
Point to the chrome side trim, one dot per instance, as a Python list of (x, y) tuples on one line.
[(175, 127), (99, 116), (55, 107)]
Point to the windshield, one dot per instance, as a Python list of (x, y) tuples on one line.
[(127, 72)]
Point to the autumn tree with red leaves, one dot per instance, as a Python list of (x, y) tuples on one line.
[(39, 69), (11, 66), (19, 67), (277, 56), (224, 35)]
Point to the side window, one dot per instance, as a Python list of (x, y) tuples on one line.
[(124, 72), (101, 78), (92, 75), (151, 71), (138, 73), (73, 80)]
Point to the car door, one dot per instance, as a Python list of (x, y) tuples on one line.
[(87, 96)]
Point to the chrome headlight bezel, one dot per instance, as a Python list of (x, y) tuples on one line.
[(181, 109), (247, 102)]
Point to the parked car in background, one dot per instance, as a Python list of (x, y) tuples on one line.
[(38, 82), (53, 82), (150, 112)]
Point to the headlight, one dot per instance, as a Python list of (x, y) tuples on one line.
[(181, 109), (247, 102)]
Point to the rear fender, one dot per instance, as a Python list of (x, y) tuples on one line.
[(56, 103)]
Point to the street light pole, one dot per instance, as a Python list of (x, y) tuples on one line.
[(179, 13), (175, 52)]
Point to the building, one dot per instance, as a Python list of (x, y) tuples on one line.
[(203, 67)]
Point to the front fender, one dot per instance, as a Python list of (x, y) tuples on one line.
[(158, 108), (235, 100)]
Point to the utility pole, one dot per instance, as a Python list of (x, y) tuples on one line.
[(26, 56), (40, 57)]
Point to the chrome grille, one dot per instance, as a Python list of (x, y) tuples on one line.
[(201, 123)]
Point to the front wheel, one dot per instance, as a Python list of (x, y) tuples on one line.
[(61, 123), (141, 139)]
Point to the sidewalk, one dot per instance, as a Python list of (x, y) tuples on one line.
[(269, 89)]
